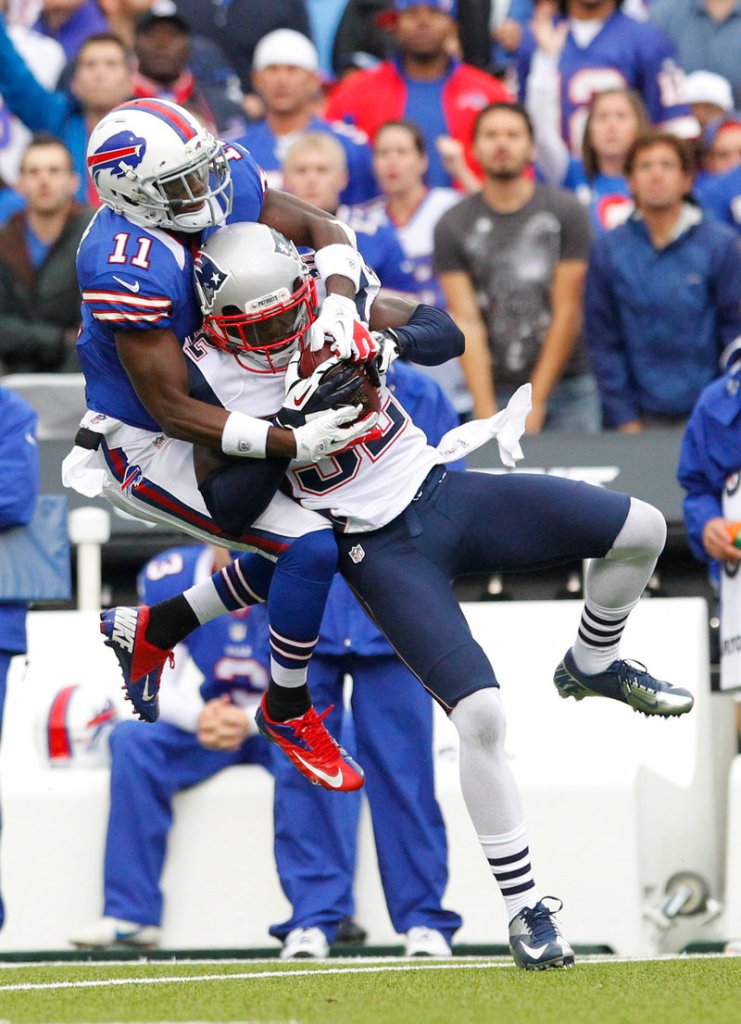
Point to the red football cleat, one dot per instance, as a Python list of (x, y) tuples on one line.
[(141, 662), (311, 749)]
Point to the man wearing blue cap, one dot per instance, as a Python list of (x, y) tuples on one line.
[(425, 84)]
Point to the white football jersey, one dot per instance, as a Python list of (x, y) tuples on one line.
[(362, 488), (367, 486)]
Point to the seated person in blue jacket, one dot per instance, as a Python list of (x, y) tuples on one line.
[(392, 716), (199, 732)]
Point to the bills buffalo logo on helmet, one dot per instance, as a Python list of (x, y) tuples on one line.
[(120, 153), (209, 276)]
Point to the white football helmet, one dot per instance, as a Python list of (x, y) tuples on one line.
[(257, 296), (155, 163), (72, 729)]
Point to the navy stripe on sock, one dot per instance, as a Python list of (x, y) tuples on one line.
[(518, 888), (525, 852), (603, 622), (591, 642), (506, 876)]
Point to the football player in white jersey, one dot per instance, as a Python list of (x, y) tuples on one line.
[(406, 528)]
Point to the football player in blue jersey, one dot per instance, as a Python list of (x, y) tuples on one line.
[(166, 183)]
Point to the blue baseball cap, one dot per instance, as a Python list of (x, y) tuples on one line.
[(448, 7)]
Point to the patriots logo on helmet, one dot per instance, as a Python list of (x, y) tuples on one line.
[(209, 278), (283, 245), (120, 153)]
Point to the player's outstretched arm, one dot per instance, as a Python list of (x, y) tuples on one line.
[(423, 334), (156, 366)]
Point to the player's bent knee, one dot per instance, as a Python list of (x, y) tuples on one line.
[(313, 556), (480, 720), (460, 672), (643, 532)]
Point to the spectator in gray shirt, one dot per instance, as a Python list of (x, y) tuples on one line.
[(511, 262)]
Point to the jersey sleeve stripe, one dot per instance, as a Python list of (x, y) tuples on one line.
[(115, 299), (138, 317)]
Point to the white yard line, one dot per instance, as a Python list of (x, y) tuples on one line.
[(393, 966)]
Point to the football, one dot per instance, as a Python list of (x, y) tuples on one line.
[(367, 394)]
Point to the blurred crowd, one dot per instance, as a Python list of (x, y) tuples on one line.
[(585, 238)]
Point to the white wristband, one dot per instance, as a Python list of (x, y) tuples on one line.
[(245, 435), (339, 259)]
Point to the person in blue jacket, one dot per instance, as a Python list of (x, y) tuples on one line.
[(101, 80), (662, 296), (20, 476), (202, 730), (710, 455), (392, 717)]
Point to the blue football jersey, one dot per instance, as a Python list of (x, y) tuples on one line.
[(231, 651), (135, 278), (269, 150), (380, 247), (625, 54), (607, 196)]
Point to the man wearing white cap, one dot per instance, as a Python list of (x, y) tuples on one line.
[(285, 74), (709, 95)]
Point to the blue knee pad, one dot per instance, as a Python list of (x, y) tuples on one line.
[(301, 580)]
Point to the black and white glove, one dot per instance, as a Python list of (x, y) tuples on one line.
[(331, 385), (389, 349), (328, 433)]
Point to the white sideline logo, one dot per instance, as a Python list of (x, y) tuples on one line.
[(124, 628)]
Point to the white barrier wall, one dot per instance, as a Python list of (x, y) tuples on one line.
[(616, 803), (732, 919)]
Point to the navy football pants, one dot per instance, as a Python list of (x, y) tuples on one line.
[(461, 524)]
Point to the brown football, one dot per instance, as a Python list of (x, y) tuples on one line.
[(367, 394)]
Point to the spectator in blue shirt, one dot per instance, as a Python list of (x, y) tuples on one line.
[(101, 80), (71, 22), (663, 294), (285, 74), (315, 830)]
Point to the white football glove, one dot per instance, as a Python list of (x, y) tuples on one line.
[(349, 338), (325, 434), (506, 426)]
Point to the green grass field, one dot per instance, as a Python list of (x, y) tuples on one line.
[(685, 990)]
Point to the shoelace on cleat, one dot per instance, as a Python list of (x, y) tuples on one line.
[(315, 735), (636, 672), (539, 920)]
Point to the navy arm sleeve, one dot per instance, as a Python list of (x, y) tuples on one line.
[(431, 337)]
